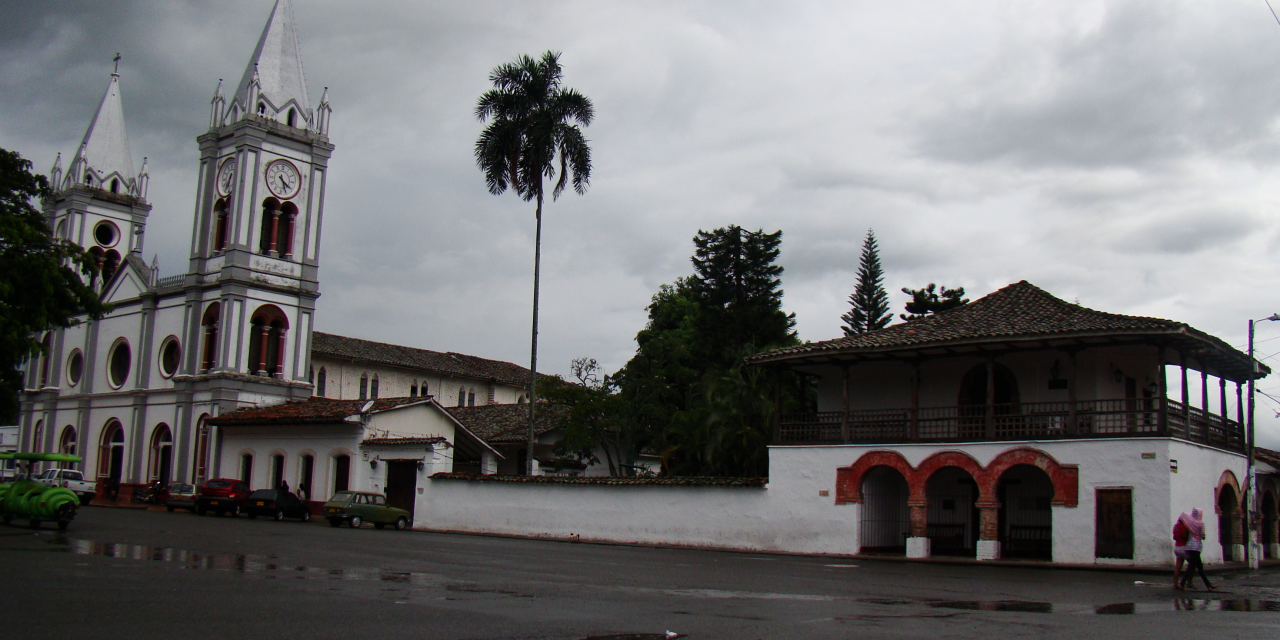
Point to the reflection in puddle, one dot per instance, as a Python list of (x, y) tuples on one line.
[(237, 562), (1119, 608), (638, 636), (997, 605)]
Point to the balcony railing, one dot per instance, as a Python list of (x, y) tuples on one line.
[(1022, 421)]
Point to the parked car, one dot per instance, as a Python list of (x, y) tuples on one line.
[(69, 479), (181, 496), (223, 495), (277, 504), (359, 507)]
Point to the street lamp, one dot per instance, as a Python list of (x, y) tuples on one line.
[(1251, 482)]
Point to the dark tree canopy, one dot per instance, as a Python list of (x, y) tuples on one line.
[(40, 276), (869, 304), (932, 299)]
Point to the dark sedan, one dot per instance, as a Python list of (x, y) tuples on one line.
[(277, 504)]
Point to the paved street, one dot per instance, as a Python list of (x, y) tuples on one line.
[(121, 573)]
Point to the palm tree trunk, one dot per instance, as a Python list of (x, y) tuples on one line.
[(533, 358)]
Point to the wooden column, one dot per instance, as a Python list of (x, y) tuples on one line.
[(275, 230), (1239, 405), (991, 399), (1162, 413), (1073, 418), (1204, 395), (915, 400), (262, 349), (777, 405), (1186, 401), (844, 407), (1222, 397)]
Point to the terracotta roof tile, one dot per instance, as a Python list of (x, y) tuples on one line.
[(1018, 312), (313, 411), (449, 364), (507, 423)]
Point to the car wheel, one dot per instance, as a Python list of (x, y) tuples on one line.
[(235, 511), (170, 509), (333, 522), (356, 521), (402, 523), (306, 516), (279, 515)]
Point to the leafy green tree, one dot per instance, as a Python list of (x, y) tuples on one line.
[(869, 304), (531, 130), (597, 422), (40, 277), (931, 300)]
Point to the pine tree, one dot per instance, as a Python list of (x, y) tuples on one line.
[(931, 300), (869, 304)]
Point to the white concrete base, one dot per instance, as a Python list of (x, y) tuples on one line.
[(988, 549), (1273, 550), (1255, 555), (536, 470), (1237, 553), (918, 547)]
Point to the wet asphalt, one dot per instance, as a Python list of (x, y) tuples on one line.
[(121, 573)]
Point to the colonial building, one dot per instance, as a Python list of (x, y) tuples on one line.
[(1021, 425)]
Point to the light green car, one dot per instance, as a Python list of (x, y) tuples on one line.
[(359, 507)]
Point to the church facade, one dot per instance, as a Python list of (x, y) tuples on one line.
[(131, 393)]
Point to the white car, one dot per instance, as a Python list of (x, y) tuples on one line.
[(72, 479)]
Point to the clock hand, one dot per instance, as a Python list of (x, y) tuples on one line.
[(283, 185)]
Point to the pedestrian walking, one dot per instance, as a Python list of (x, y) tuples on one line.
[(284, 486), (1180, 537), (1195, 542)]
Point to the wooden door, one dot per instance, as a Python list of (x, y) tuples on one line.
[(402, 485), (1114, 532)]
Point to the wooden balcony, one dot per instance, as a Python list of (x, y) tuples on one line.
[(1023, 421)]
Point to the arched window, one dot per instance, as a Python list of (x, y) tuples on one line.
[(110, 264), (462, 397), (422, 390), (67, 445), (269, 327), (221, 219), (364, 386), (306, 473), (320, 382), (267, 230), (292, 118), (471, 398), (37, 437), (413, 389), (341, 473), (46, 355), (111, 453), (520, 400), (262, 108), (160, 458), (199, 467), (210, 323), (115, 185), (284, 229), (98, 258), (373, 388)]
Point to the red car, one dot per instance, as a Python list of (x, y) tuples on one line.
[(223, 495)]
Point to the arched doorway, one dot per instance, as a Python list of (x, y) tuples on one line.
[(341, 472), (972, 402), (1025, 493), (111, 455), (886, 518), (277, 470), (160, 458), (67, 445), (953, 514), (1228, 504), (1268, 524)]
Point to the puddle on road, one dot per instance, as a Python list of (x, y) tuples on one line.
[(1119, 608), (195, 560), (638, 636)]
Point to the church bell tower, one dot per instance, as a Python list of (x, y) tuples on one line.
[(254, 263)]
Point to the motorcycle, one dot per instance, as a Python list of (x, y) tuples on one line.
[(151, 496)]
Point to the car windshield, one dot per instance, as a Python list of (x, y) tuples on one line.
[(218, 484), (341, 496), (263, 494), (181, 488)]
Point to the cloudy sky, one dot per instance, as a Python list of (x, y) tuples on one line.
[(1122, 154)]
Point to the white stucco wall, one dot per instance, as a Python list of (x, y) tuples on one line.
[(792, 514)]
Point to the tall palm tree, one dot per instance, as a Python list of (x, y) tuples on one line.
[(531, 126)]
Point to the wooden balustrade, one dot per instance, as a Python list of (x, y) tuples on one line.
[(1125, 417)]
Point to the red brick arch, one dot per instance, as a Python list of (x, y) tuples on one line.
[(849, 479), (1228, 478), (1065, 477)]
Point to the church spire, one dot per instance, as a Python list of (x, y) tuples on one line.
[(104, 151), (276, 69)]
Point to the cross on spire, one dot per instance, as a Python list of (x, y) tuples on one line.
[(116, 60)]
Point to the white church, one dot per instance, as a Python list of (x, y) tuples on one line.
[(133, 392)]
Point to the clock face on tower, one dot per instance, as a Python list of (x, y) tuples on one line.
[(283, 179), (226, 177)]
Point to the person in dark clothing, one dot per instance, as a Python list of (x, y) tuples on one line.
[(284, 486), (1195, 527)]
